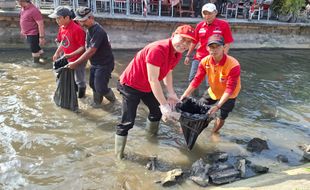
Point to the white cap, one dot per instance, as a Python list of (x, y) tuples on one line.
[(210, 7)]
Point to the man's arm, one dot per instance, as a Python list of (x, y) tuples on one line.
[(76, 52), (153, 74), (57, 53), (189, 53), (84, 57), (41, 31)]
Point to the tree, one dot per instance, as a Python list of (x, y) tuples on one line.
[(288, 9)]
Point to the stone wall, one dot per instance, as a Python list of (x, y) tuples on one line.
[(135, 32)]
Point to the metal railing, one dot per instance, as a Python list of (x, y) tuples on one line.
[(128, 7)]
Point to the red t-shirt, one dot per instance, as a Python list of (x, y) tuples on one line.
[(71, 38), (203, 31), (161, 54), (28, 20)]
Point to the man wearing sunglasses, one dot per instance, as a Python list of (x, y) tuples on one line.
[(99, 52), (211, 25), (32, 27)]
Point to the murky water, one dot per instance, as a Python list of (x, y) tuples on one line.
[(45, 147)]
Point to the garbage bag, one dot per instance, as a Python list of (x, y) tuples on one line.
[(194, 119), (65, 95), (59, 63)]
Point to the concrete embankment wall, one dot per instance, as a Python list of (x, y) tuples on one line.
[(135, 32)]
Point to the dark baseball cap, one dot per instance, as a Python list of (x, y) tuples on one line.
[(60, 11), (216, 39), (82, 13)]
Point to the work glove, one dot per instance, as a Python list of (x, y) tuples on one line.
[(172, 100), (168, 114)]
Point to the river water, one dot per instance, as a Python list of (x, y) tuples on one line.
[(45, 147)]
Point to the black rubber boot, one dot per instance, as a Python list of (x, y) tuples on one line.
[(81, 92), (97, 100), (110, 96)]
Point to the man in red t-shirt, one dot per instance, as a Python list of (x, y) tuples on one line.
[(211, 25), (141, 81), (32, 26), (72, 44)]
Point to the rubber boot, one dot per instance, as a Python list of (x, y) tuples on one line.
[(152, 127), (81, 92), (120, 143), (36, 59), (110, 96), (97, 100)]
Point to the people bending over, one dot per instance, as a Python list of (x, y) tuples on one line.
[(141, 81), (223, 72)]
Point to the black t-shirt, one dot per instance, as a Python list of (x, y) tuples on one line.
[(96, 37)]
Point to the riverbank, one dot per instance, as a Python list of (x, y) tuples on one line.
[(135, 31), (292, 178)]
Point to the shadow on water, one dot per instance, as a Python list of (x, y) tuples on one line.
[(45, 147)]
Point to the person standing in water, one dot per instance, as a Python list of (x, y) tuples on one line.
[(141, 81), (223, 72), (32, 27), (99, 52), (72, 44)]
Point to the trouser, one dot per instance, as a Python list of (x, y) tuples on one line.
[(193, 71), (80, 75), (130, 102), (226, 108), (99, 78), (33, 41)]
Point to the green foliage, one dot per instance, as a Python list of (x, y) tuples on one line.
[(286, 7)]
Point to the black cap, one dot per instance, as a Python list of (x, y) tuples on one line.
[(82, 13), (216, 39), (60, 11)]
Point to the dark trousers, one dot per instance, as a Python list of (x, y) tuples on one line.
[(99, 78), (33, 41), (226, 108), (131, 100)]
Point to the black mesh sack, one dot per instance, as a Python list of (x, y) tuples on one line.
[(65, 94), (59, 63), (194, 119)]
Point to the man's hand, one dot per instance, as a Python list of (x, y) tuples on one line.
[(42, 41), (186, 60), (55, 57), (72, 65), (168, 114), (213, 110), (172, 100)]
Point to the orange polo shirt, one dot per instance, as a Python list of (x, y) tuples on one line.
[(222, 77)]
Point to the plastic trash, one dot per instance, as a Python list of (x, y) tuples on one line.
[(65, 95), (194, 119), (59, 63)]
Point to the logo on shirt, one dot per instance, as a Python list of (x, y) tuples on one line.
[(65, 42), (202, 31), (217, 31)]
